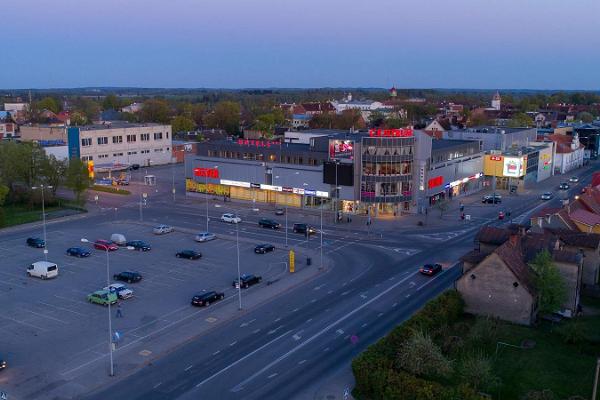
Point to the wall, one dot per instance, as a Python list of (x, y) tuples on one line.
[(591, 264), (546, 155), (31, 133), (571, 274), (496, 140), (60, 152)]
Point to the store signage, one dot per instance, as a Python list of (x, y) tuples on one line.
[(435, 182), (513, 167), (235, 183), (322, 194), (463, 180), (207, 172), (287, 189), (422, 176), (307, 192), (391, 132), (310, 192), (255, 185), (298, 191), (271, 187), (496, 158), (258, 143)]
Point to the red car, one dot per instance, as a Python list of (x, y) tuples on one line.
[(102, 244)]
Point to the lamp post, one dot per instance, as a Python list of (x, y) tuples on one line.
[(237, 240), (42, 187), (110, 347), (335, 216), (206, 189), (321, 205), (173, 171), (143, 197), (286, 211)]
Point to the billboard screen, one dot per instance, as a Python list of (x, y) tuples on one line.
[(341, 149), (513, 167), (345, 174)]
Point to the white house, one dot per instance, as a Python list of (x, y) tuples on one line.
[(569, 153)]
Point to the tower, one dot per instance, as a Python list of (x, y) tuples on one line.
[(393, 92), (496, 101)]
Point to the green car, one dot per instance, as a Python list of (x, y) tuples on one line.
[(103, 297)]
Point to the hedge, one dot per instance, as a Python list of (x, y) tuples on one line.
[(110, 189)]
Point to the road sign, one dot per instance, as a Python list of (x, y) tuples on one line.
[(468, 217), (346, 393), (292, 264), (116, 336)]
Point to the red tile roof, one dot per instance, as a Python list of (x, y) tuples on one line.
[(585, 217), (492, 235), (511, 256), (563, 143)]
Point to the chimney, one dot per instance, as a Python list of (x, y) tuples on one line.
[(557, 245), (522, 230), (540, 221), (513, 239)]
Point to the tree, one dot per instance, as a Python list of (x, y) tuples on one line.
[(323, 121), (226, 115), (78, 118), (349, 119), (87, 107), (77, 179), (266, 123), (520, 120), (395, 123), (478, 119), (111, 102), (3, 194), (585, 117), (52, 171), (549, 283), (376, 119), (48, 103), (155, 110), (420, 356), (182, 124), (442, 205)]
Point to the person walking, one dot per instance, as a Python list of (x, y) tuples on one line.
[(119, 312)]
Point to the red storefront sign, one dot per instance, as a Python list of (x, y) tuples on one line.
[(258, 143), (496, 158), (435, 182), (207, 172), (391, 132)]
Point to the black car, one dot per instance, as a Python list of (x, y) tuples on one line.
[(491, 199), (264, 248), (138, 245), (247, 281), (205, 299), (304, 228), (128, 276), (269, 223), (430, 269), (189, 254), (78, 252), (564, 186), (134, 166), (36, 242)]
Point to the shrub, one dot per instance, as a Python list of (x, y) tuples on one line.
[(110, 189), (572, 332), (420, 356), (476, 370), (484, 330)]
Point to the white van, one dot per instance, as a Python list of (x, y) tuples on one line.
[(43, 269), (118, 239)]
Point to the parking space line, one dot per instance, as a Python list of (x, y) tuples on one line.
[(24, 323), (62, 308), (45, 316)]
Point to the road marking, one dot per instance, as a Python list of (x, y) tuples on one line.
[(340, 331), (157, 385), (241, 359), (407, 296), (216, 352), (363, 295), (295, 309), (233, 343), (394, 305), (24, 323), (46, 316), (329, 291), (313, 301), (272, 331), (256, 330), (346, 292), (278, 319), (379, 315), (301, 362), (245, 324), (325, 349), (308, 320), (364, 325), (145, 353), (210, 319), (272, 375), (188, 368), (62, 308)]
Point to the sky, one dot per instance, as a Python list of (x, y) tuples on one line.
[(478, 44)]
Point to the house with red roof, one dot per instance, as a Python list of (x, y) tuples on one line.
[(569, 152)]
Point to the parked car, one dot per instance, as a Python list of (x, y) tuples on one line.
[(303, 228), (3, 363), (118, 239), (269, 223), (205, 237), (139, 245), (36, 242), (128, 276), (491, 199), (122, 182), (121, 290), (162, 229), (205, 299), (564, 186), (546, 196), (103, 297), (264, 248), (102, 244), (134, 166), (280, 211), (231, 218), (189, 254), (247, 281), (574, 179), (78, 252), (43, 270), (430, 269)]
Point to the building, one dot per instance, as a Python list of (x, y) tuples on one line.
[(133, 108), (300, 121), (17, 110), (494, 138), (589, 137), (569, 153), (496, 102), (182, 148), (7, 125)]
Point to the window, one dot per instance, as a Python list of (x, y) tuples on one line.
[(130, 153), (102, 155), (145, 151), (144, 137), (87, 158), (157, 135), (158, 150), (117, 139), (117, 154), (131, 138), (167, 135), (102, 140), (86, 142)]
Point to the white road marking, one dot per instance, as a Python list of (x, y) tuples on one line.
[(278, 319), (329, 291), (188, 368), (313, 301), (364, 325), (233, 343), (62, 308), (346, 292), (362, 295), (407, 296), (379, 315), (308, 320), (394, 305), (272, 331), (340, 331), (46, 316), (244, 324), (157, 385), (216, 352), (301, 362), (256, 330), (295, 309), (326, 349), (272, 375)]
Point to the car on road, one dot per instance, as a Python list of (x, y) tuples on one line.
[(491, 199), (102, 244), (264, 248), (78, 252), (36, 242), (121, 290), (139, 245), (280, 211), (162, 229), (231, 218), (268, 223), (304, 229), (205, 237), (43, 270), (205, 299), (574, 179), (134, 166), (189, 254), (564, 186), (247, 281), (546, 196), (122, 181), (3, 363), (128, 276), (430, 269), (103, 297)]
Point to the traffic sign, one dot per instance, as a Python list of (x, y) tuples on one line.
[(292, 264)]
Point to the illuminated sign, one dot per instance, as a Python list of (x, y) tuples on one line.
[(391, 132), (463, 180), (271, 187), (235, 183), (258, 143), (496, 158), (341, 149), (207, 172), (513, 167), (435, 182), (255, 185), (248, 185), (287, 189), (322, 194), (310, 192), (90, 168)]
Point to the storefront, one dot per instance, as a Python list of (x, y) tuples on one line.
[(439, 191)]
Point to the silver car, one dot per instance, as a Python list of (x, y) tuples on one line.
[(205, 237), (546, 196), (122, 291), (162, 229)]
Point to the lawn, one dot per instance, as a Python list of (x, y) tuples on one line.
[(17, 214)]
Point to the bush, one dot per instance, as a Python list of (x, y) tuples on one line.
[(572, 333), (476, 370), (110, 189), (420, 356)]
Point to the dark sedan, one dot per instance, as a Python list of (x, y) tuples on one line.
[(269, 223), (78, 252), (138, 245), (36, 242), (264, 248), (205, 299), (189, 254), (491, 199), (430, 269), (247, 281), (128, 276)]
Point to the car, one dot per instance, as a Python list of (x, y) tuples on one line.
[(139, 245), (128, 276), (162, 229), (269, 223), (102, 244), (231, 218), (303, 228), (280, 211), (205, 299), (546, 196), (189, 254), (430, 269), (3, 363), (573, 179), (491, 199), (564, 186), (122, 291), (103, 297), (264, 248), (78, 252), (43, 270), (247, 281), (36, 242), (122, 181), (205, 237), (134, 166)]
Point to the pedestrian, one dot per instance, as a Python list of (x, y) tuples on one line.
[(119, 312), (348, 219)]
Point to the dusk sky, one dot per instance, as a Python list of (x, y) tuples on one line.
[(497, 44)]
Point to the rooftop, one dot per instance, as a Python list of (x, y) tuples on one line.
[(438, 144)]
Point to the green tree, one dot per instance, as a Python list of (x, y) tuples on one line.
[(52, 171), (476, 370), (585, 117), (420, 356), (182, 124), (349, 119), (78, 118), (549, 283), (111, 102), (395, 123), (89, 108), (478, 119), (442, 206), (3, 194), (520, 120), (48, 103), (267, 123), (226, 115), (77, 179), (376, 119), (322, 121), (156, 110)]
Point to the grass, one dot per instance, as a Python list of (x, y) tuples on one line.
[(110, 189), (22, 214)]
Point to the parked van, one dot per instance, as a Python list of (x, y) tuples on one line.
[(118, 239), (43, 269)]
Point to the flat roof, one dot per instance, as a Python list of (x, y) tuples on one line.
[(117, 125), (438, 144)]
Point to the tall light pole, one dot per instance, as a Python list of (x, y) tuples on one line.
[(286, 210), (335, 216), (206, 189), (321, 205), (42, 187), (110, 347), (237, 239)]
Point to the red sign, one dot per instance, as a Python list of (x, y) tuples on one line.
[(207, 172), (435, 182), (258, 143), (407, 132), (496, 158)]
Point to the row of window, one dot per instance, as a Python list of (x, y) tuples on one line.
[(386, 188), (384, 169), (103, 140), (388, 151), (129, 153), (288, 159)]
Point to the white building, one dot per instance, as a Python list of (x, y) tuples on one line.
[(569, 153), (363, 105), (496, 102), (133, 108)]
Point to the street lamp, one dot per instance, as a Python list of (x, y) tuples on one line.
[(237, 240), (286, 211), (173, 171), (42, 187), (335, 216), (110, 347), (206, 189), (143, 197)]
